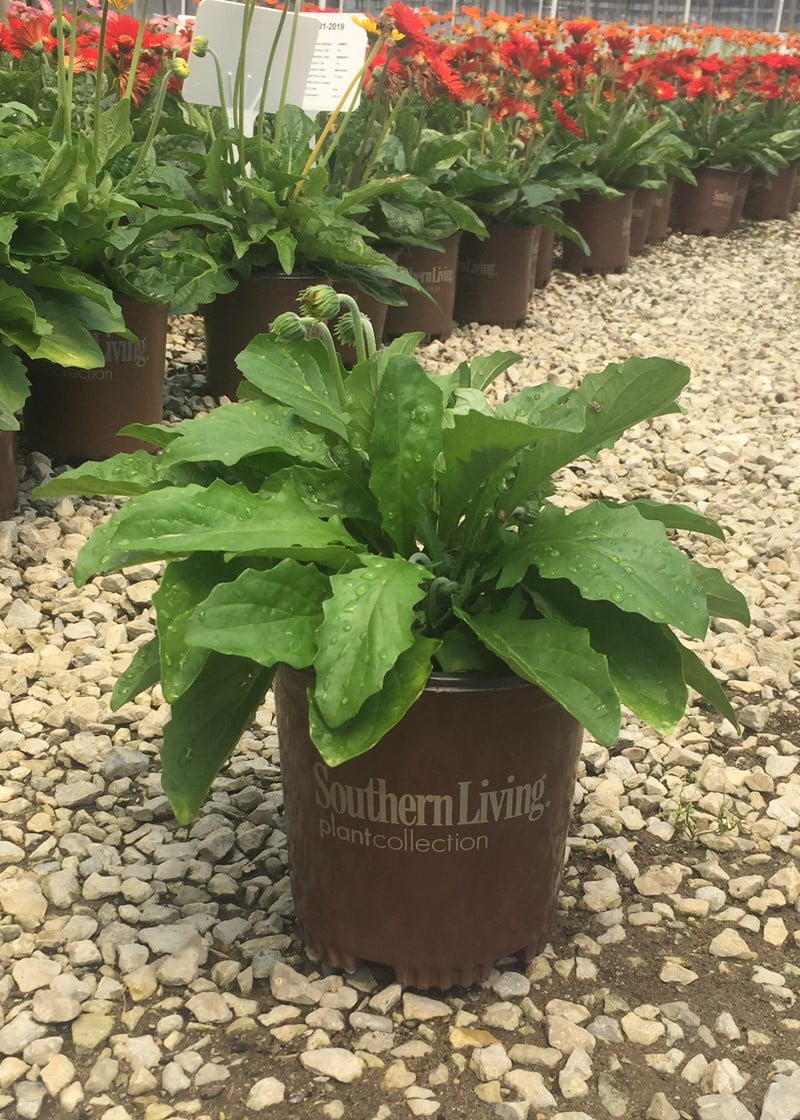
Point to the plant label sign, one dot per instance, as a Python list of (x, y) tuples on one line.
[(338, 57), (220, 21)]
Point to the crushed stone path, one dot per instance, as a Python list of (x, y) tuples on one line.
[(149, 972)]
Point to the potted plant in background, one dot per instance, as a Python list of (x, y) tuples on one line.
[(288, 225), (122, 219), (776, 84), (382, 544)]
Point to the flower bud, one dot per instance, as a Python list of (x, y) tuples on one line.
[(344, 329), (320, 301), (179, 68), (200, 46), (288, 327)]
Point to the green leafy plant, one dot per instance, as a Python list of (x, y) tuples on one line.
[(378, 525)]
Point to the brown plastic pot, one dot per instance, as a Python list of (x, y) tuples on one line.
[(605, 225), (233, 320), (494, 276), (641, 211), (440, 850), (9, 483), (75, 414), (436, 272), (705, 209), (658, 227), (739, 196), (796, 186), (543, 268), (770, 196)]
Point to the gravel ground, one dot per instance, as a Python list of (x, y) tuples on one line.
[(153, 972)]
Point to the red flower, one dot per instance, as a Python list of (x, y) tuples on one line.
[(664, 91), (567, 121), (619, 44), (31, 34), (699, 86), (580, 28), (408, 23), (512, 107), (448, 79), (581, 53)]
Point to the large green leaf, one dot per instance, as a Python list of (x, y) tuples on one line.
[(177, 521), (160, 435), (207, 723), (612, 553), (184, 584), (327, 492), (270, 616), (678, 517), (231, 432), (643, 663), (113, 130), (723, 599), (474, 448), (699, 677), (484, 369), (143, 672), (546, 406), (125, 475), (406, 441), (615, 400), (14, 388), (402, 686), (367, 625), (69, 343), (297, 375), (559, 658)]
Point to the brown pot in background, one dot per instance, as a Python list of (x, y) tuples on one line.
[(641, 211), (707, 208), (494, 276), (9, 482), (440, 850), (75, 414), (739, 196), (658, 227), (796, 187), (770, 196), (605, 225), (436, 272), (233, 320), (543, 269)]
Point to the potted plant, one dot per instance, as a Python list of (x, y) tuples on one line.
[(106, 209), (383, 547)]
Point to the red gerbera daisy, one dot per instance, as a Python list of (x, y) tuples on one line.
[(567, 121), (580, 28), (408, 23)]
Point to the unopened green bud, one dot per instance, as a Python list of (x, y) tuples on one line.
[(345, 330), (200, 46), (179, 68), (288, 327), (320, 301)]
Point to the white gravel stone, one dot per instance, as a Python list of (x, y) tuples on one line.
[(265, 1093), (342, 1065)]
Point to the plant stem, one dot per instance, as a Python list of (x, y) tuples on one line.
[(151, 132), (265, 83), (137, 50), (358, 321), (100, 77), (331, 121), (286, 73), (387, 124), (64, 117)]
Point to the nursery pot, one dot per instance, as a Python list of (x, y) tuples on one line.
[(75, 414), (641, 211), (234, 319), (739, 196), (439, 850), (770, 196), (8, 474), (494, 276), (605, 224), (796, 186), (658, 226), (543, 267), (706, 208), (436, 272)]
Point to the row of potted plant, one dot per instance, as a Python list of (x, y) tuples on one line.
[(143, 203)]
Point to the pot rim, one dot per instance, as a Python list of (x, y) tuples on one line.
[(473, 682)]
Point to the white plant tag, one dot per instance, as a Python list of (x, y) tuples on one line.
[(220, 21), (338, 56)]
